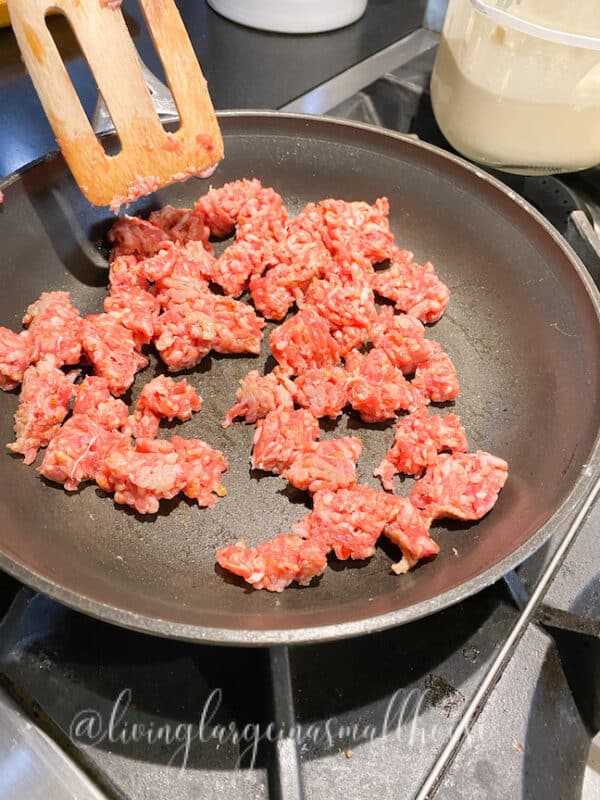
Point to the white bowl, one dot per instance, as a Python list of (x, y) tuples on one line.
[(291, 16)]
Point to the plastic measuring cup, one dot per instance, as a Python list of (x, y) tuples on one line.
[(516, 86)]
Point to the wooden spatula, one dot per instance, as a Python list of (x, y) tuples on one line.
[(149, 157)]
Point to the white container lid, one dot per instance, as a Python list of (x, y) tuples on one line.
[(505, 18), (291, 16)]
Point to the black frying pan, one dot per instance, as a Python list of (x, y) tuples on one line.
[(522, 327)]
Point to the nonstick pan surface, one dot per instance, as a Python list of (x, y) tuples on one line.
[(522, 328)]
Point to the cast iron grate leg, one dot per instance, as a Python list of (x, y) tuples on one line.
[(285, 771)]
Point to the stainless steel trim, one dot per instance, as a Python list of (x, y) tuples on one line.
[(435, 12), (342, 86), (161, 97), (32, 766)]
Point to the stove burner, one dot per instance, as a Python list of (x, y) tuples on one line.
[(549, 195)]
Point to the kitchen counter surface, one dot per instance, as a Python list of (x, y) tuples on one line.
[(244, 68)]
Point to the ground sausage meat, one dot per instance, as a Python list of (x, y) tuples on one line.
[(95, 401), (155, 267), (140, 478), (322, 391), (179, 290), (276, 563), (182, 225), (138, 237), (352, 227), (348, 521), (414, 288), (112, 350), (460, 486), (170, 399), (78, 451), (203, 467), (260, 218), (259, 394), (348, 307), (281, 436), (376, 389), (16, 351), (135, 309), (418, 440), (161, 398), (237, 328), (330, 464), (303, 342), (252, 252), (55, 329), (124, 274), (190, 261), (183, 336), (402, 339), (220, 208), (274, 292), (338, 350), (436, 379), (141, 425), (44, 403), (408, 528), (297, 258)]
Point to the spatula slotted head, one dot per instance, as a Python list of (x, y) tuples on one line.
[(149, 156)]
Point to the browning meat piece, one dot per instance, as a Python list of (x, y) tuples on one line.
[(460, 486), (402, 339), (436, 379), (303, 342), (414, 288), (281, 436), (182, 225), (376, 389), (276, 563), (44, 402), (348, 521), (322, 391), (259, 394), (16, 351), (79, 450), (330, 464), (137, 237), (112, 350), (418, 440), (95, 401), (54, 328), (183, 336), (409, 529)]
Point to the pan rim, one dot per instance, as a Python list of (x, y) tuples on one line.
[(247, 637)]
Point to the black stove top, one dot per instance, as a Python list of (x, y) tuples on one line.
[(141, 717)]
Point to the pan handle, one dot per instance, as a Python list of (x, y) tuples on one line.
[(160, 94)]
